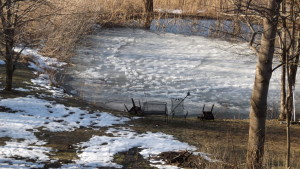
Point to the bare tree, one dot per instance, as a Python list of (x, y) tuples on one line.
[(14, 16), (283, 46), (289, 50), (258, 102), (292, 61)]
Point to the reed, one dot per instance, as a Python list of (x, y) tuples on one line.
[(66, 21), (69, 20)]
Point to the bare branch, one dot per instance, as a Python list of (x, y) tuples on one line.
[(283, 63)]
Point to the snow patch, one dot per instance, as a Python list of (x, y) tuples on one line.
[(172, 11), (99, 150), (22, 90), (25, 115), (57, 116), (18, 164)]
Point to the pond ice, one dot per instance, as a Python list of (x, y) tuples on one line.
[(115, 65), (22, 117)]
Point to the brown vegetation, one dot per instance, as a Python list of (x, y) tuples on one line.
[(226, 140), (66, 21), (59, 24)]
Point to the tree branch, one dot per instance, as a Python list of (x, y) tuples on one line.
[(251, 43), (283, 63)]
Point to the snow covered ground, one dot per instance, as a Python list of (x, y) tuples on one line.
[(28, 114), (22, 117), (115, 65)]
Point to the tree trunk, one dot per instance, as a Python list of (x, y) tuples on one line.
[(260, 90), (236, 26), (9, 57), (9, 33), (9, 74), (149, 11), (282, 115), (291, 74), (288, 141), (288, 110)]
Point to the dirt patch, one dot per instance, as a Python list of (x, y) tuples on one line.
[(64, 143), (132, 159), (183, 159), (3, 140), (186, 159)]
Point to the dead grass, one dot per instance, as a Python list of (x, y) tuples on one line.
[(226, 140), (58, 25), (62, 23), (64, 142)]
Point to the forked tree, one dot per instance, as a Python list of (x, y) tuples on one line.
[(15, 15), (258, 102), (269, 13), (289, 40)]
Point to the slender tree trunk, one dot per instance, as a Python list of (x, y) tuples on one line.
[(288, 110), (260, 90), (288, 141), (282, 115), (291, 74)]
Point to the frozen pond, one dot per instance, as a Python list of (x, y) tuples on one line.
[(115, 65)]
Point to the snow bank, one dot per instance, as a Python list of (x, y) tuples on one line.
[(45, 65), (41, 63)]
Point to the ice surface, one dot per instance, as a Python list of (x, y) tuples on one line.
[(115, 65)]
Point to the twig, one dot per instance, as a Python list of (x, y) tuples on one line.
[(283, 63)]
